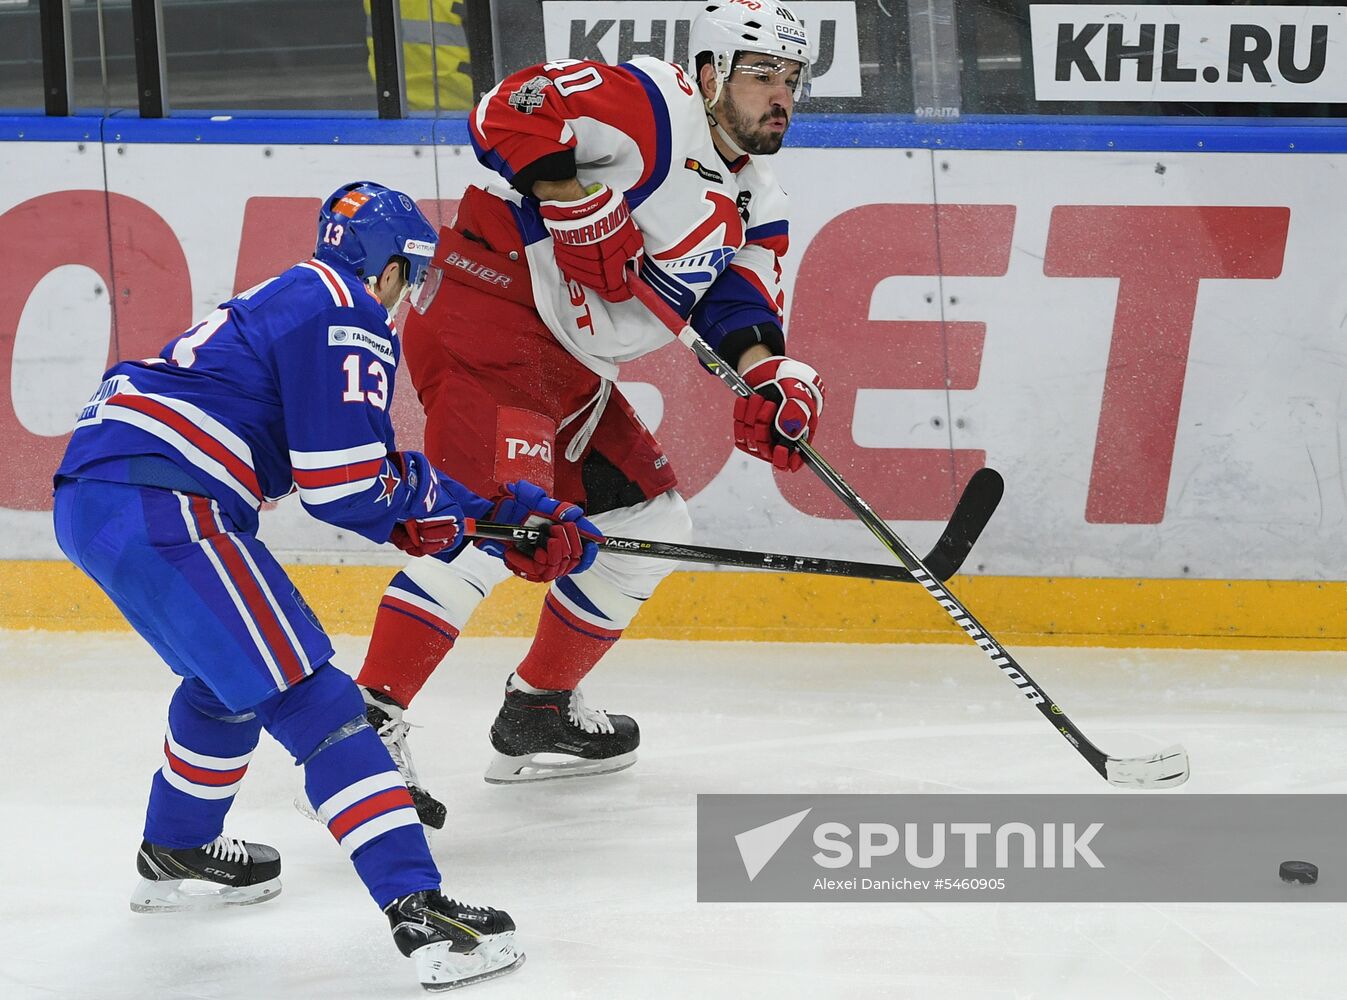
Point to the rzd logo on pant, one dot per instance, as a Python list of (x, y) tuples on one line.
[(525, 441), (519, 446)]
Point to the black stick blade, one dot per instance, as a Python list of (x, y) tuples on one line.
[(975, 508)]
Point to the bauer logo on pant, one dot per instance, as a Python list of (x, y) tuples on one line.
[(477, 270)]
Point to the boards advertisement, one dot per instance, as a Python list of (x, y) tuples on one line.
[(1189, 52), (1148, 346)]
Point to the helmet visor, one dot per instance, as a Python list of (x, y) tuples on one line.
[(424, 288), (418, 254), (770, 69)]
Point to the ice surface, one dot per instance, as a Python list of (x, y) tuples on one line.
[(600, 873)]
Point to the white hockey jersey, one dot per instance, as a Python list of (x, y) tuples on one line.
[(713, 232)]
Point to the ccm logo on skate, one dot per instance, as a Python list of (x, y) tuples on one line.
[(518, 446)]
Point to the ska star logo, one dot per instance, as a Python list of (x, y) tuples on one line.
[(388, 483)]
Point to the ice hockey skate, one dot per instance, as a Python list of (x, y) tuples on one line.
[(554, 734), (225, 872), (453, 944), (385, 715)]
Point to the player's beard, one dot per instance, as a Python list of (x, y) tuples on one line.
[(748, 131)]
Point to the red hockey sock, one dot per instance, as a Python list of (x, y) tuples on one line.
[(407, 645), (564, 649)]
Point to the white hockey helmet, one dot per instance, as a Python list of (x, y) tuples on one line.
[(725, 27)]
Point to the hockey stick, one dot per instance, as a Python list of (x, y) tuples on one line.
[(970, 516), (1165, 769)]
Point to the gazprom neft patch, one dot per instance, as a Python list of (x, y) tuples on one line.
[(1149, 848), (1181, 52)]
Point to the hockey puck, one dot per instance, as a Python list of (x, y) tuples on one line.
[(1299, 871)]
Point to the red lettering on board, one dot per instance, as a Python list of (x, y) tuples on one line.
[(1160, 254), (831, 329), (137, 256)]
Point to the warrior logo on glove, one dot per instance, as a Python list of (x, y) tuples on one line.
[(593, 239)]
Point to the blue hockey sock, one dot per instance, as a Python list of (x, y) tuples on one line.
[(206, 752), (353, 783)]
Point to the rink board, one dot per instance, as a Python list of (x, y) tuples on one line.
[(1226, 614), (1140, 326)]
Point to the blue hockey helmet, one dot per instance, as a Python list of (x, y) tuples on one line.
[(363, 225)]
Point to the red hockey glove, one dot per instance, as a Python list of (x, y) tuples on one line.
[(426, 537), (784, 410), (565, 549), (439, 515), (593, 239)]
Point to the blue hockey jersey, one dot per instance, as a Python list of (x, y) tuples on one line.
[(287, 386)]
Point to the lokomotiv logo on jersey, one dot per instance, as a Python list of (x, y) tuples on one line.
[(700, 256)]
